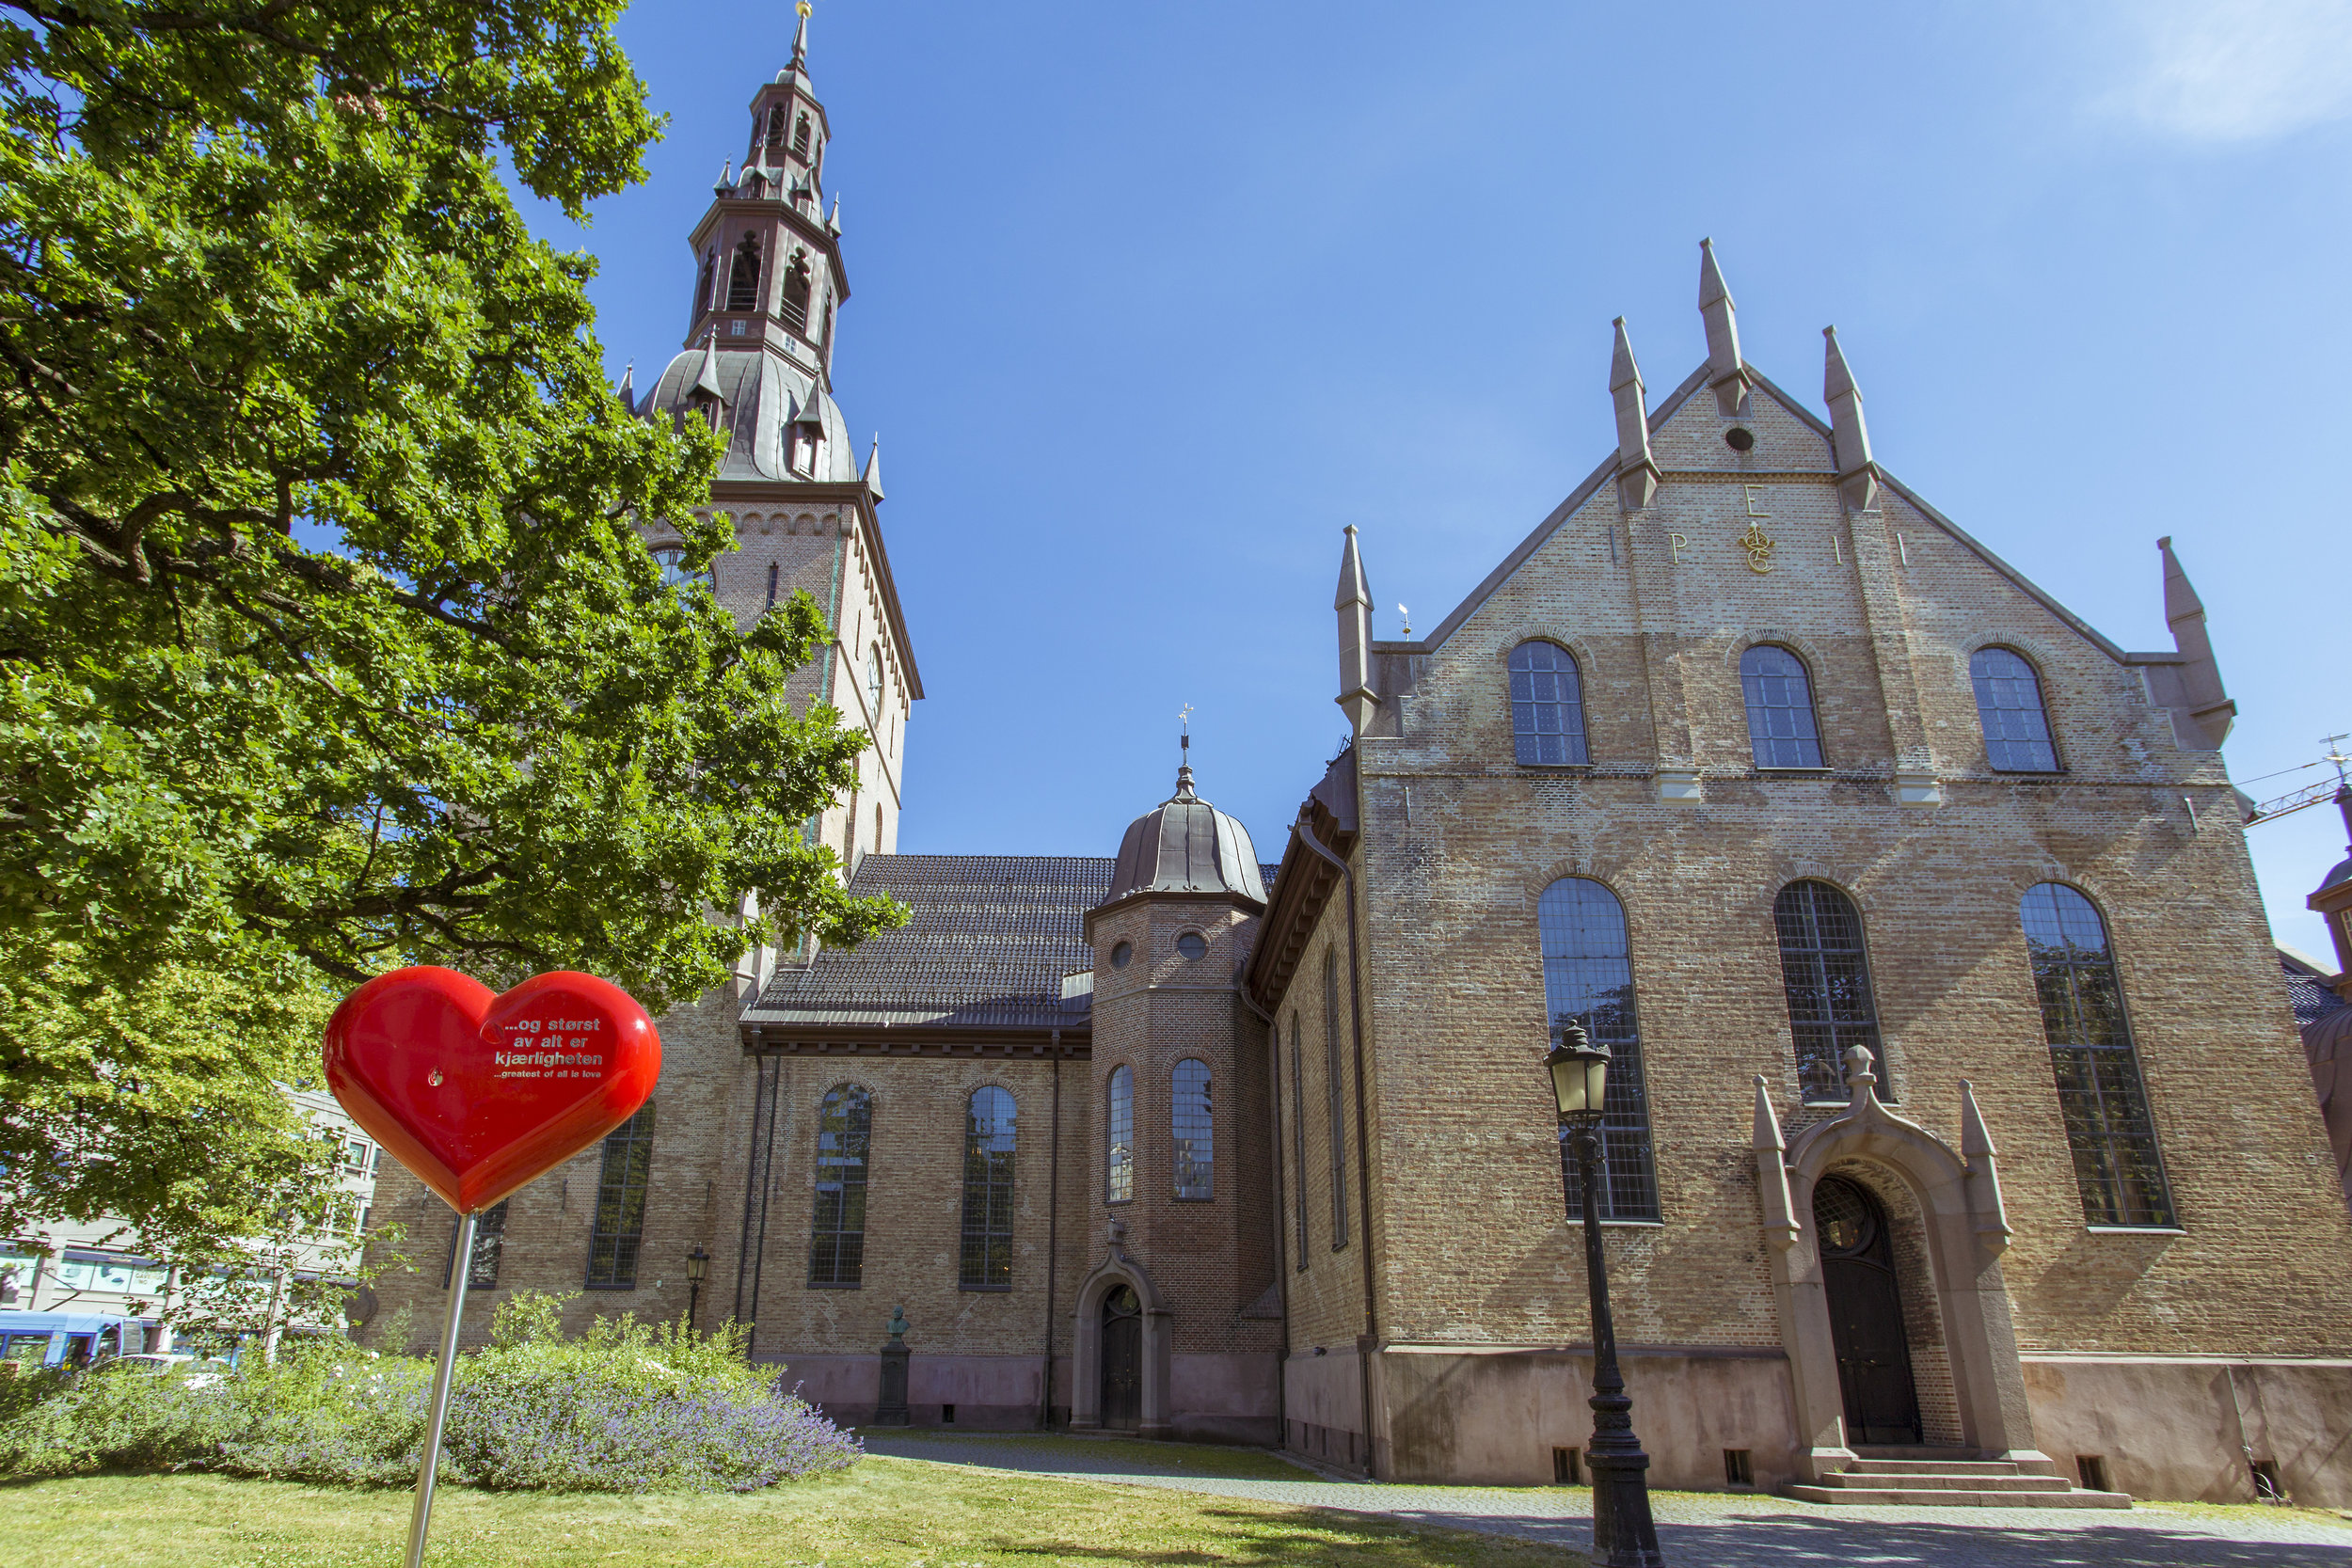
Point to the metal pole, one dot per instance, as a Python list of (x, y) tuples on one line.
[(1622, 1533), (460, 1270)]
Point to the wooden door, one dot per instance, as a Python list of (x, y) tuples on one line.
[(1865, 1314), (1123, 1360)]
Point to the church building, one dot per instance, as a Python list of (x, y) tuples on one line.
[(1959, 1139)]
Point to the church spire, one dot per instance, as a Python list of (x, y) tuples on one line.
[(799, 38), (1637, 471), (1726, 372), (1850, 438)]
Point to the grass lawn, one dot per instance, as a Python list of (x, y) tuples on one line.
[(895, 1512)]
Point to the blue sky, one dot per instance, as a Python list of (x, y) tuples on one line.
[(1150, 300)]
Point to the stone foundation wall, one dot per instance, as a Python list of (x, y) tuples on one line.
[(2183, 1427)]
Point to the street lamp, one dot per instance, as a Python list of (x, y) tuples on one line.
[(697, 1265), (1622, 1533)]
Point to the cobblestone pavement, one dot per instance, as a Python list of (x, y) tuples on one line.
[(1695, 1530)]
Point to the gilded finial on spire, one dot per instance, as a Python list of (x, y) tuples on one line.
[(800, 35)]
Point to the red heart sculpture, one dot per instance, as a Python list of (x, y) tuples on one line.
[(478, 1094)]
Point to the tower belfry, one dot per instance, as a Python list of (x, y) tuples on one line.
[(755, 364)]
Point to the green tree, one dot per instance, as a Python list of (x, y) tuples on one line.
[(328, 642)]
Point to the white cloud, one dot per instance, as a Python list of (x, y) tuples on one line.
[(2233, 71)]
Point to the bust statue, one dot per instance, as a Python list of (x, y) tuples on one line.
[(897, 1325)]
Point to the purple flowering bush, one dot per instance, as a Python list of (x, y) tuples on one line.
[(625, 1407)]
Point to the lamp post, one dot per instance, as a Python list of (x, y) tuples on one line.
[(697, 1265), (1622, 1533)]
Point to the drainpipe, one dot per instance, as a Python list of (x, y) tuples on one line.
[(1363, 1152), (1053, 1245), (1282, 1244)]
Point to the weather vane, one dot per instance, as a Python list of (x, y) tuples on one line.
[(1406, 616), (1184, 717)]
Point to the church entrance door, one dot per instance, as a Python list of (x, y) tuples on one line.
[(1865, 1314), (1123, 1360)]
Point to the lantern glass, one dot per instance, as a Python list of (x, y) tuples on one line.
[(1580, 1074), (697, 1265)]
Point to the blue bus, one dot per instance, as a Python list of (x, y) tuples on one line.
[(65, 1339)]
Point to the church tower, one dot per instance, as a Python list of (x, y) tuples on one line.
[(768, 283)]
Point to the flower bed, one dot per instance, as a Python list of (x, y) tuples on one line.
[(626, 1407)]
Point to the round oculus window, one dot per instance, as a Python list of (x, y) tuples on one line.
[(1121, 954), (1192, 945), (1739, 437)]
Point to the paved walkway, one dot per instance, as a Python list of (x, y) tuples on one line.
[(1697, 1529)]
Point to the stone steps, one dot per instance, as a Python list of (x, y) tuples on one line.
[(1946, 1479)]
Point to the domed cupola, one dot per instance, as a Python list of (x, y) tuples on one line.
[(1185, 847)]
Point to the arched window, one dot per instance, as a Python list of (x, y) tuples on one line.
[(836, 1243), (873, 679), (744, 280), (2109, 1129), (775, 126), (1827, 977), (1335, 1079), (1781, 731), (1193, 1133), (796, 295), (490, 1245), (1119, 1167), (1588, 977), (988, 1140), (1547, 704), (671, 559), (799, 137), (619, 1223), (2008, 702), (705, 296)]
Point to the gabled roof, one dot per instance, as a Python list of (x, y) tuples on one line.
[(1695, 382), (989, 941)]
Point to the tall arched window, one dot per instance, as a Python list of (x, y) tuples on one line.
[(705, 296), (1781, 731), (1335, 1079), (2009, 703), (837, 1245), (800, 137), (618, 1226), (1118, 1168), (1827, 977), (1588, 975), (775, 126), (987, 1144), (796, 295), (743, 279), (1193, 1131), (2109, 1129), (1547, 704), (873, 679)]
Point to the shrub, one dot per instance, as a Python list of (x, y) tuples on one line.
[(625, 1407)]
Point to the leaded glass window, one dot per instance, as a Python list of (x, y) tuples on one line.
[(1298, 1134), (845, 1136), (1781, 729), (988, 1148), (1547, 704), (2009, 701), (1588, 977), (1826, 974), (1120, 1169), (2108, 1129), (490, 1245), (1193, 1134), (1335, 1079), (618, 1226)]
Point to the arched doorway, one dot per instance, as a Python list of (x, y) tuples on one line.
[(1122, 1359), (1865, 1314)]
